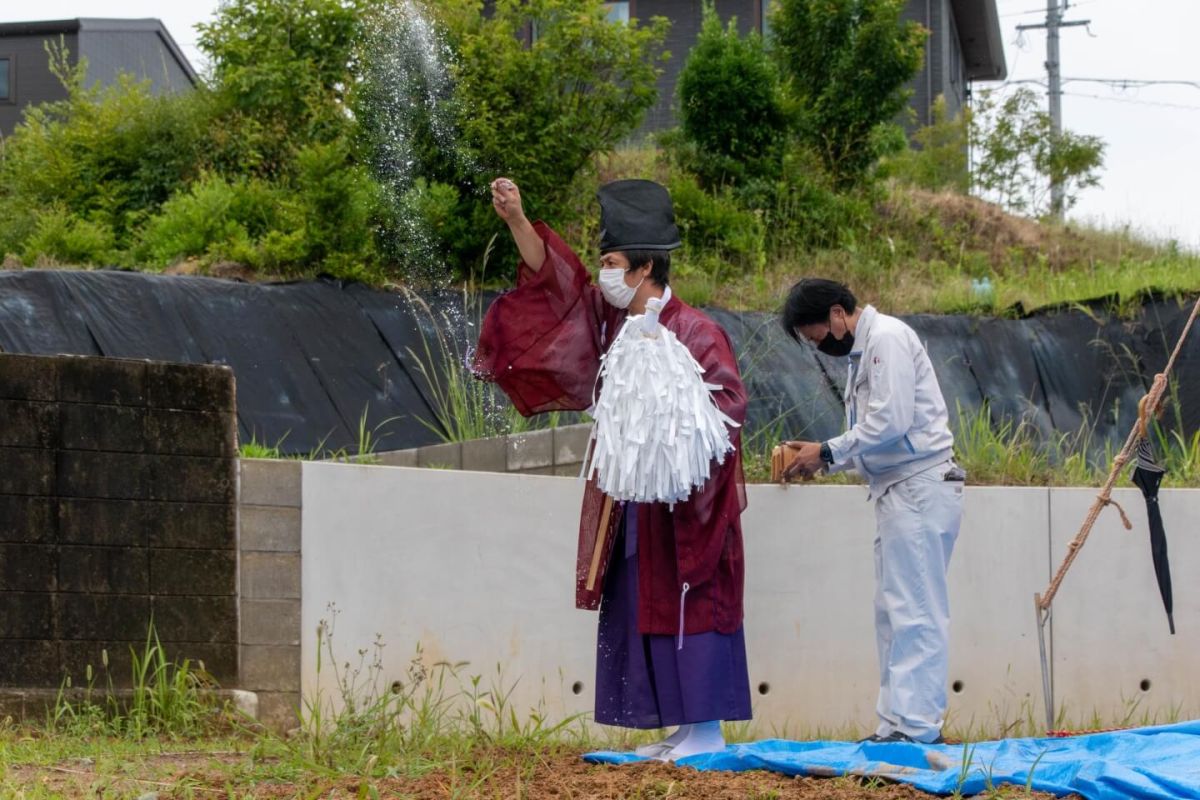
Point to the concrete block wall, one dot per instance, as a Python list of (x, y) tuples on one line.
[(269, 554), (117, 507), (554, 451), (479, 568)]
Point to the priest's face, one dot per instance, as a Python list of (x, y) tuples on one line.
[(618, 260)]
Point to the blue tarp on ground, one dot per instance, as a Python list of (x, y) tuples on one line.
[(1159, 763)]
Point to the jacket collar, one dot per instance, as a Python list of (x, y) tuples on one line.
[(863, 329)]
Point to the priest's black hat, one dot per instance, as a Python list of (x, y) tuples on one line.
[(636, 215)]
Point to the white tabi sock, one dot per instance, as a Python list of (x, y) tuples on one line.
[(661, 747), (704, 737)]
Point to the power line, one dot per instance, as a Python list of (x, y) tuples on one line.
[(1115, 83), (1134, 101), (1032, 11), (1135, 83), (1023, 13)]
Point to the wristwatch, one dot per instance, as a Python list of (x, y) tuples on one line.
[(826, 453)]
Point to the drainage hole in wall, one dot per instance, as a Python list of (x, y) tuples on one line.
[(1145, 684), (764, 688), (957, 686), (397, 687), (577, 687)]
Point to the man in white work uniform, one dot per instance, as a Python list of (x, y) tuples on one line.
[(898, 438)]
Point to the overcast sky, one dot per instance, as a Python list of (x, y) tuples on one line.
[(1152, 176)]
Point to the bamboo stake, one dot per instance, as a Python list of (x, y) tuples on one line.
[(1150, 404)]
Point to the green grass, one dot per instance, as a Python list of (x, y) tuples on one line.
[(1012, 452), (917, 251), (435, 729), (364, 452), (901, 284)]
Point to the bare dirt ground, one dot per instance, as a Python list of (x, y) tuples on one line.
[(562, 775)]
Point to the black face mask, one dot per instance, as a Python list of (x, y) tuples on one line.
[(837, 347)]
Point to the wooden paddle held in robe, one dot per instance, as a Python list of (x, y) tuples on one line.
[(601, 539), (597, 531)]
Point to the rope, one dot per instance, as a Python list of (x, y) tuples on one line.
[(1064, 734), (1108, 501), (1150, 404)]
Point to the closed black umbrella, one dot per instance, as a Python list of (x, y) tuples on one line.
[(1148, 476)]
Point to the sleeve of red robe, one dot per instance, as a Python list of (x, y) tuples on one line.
[(542, 342), (701, 522)]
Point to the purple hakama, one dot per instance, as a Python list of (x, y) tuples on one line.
[(644, 680)]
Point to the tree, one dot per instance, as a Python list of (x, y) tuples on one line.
[(847, 63), (91, 167), (282, 73), (1018, 156), (731, 105), (538, 111), (939, 159), (266, 163)]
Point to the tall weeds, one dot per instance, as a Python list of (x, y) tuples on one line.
[(435, 716), (165, 698)]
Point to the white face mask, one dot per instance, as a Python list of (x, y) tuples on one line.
[(614, 288)]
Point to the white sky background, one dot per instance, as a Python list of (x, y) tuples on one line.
[(180, 16), (1152, 174), (1152, 177)]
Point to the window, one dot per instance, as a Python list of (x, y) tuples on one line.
[(6, 92), (618, 12), (956, 67), (764, 16)]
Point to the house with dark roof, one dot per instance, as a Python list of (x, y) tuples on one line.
[(142, 47), (964, 46)]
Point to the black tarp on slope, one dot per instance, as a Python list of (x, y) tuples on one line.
[(311, 358), (38, 316), (358, 370), (795, 392), (307, 358), (1152, 340)]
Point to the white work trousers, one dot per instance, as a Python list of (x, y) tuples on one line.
[(917, 521)]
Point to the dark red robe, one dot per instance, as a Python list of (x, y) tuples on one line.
[(541, 343)]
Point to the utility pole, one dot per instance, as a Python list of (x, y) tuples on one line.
[(1054, 21)]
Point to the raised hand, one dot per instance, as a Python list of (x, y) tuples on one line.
[(506, 199)]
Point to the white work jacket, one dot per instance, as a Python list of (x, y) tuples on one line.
[(896, 419)]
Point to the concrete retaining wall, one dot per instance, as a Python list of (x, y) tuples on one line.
[(554, 451), (117, 508), (479, 568), (269, 587)]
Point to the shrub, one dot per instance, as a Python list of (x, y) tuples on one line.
[(215, 218), (807, 210), (334, 201), (61, 237), (847, 63), (939, 160), (731, 106), (715, 228), (109, 156)]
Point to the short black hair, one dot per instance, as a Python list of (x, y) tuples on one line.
[(660, 272), (809, 301)]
